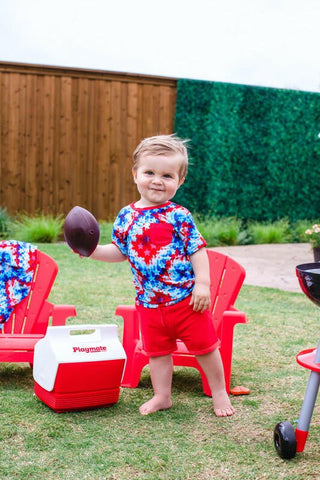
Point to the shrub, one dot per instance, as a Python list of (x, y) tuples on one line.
[(272, 232), (40, 229), (313, 235), (220, 231), (5, 223), (299, 230)]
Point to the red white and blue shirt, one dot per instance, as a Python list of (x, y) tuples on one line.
[(158, 242), (17, 266)]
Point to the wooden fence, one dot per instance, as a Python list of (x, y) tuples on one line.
[(67, 136)]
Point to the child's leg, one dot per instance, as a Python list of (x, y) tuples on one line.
[(212, 366), (161, 377)]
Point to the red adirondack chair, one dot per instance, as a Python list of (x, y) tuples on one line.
[(29, 321), (226, 276)]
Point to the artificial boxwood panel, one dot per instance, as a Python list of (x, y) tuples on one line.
[(254, 152)]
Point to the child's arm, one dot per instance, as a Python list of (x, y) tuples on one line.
[(200, 298), (108, 253)]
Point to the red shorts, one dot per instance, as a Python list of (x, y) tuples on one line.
[(162, 326)]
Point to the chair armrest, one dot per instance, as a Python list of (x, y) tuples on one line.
[(17, 341), (60, 313), (231, 317), (131, 330)]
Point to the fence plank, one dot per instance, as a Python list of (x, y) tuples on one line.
[(15, 176), (49, 144)]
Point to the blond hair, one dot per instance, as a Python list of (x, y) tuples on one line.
[(163, 145)]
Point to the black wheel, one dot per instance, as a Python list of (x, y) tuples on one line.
[(285, 440)]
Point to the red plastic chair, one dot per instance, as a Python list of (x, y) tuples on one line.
[(226, 276), (29, 321)]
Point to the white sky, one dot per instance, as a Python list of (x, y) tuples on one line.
[(273, 43)]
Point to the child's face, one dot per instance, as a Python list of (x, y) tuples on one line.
[(157, 179)]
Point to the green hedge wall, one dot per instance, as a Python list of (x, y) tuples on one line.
[(254, 152)]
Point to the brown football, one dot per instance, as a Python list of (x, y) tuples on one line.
[(81, 231)]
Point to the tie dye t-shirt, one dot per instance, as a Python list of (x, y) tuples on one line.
[(158, 242)]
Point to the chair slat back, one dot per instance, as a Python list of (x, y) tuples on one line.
[(226, 278), (26, 317)]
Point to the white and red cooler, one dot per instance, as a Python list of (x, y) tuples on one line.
[(79, 367)]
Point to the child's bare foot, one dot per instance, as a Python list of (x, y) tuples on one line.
[(155, 404), (221, 404)]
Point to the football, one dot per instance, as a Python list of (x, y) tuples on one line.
[(81, 231)]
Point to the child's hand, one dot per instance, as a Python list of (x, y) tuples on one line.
[(200, 297)]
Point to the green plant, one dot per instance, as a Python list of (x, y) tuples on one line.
[(5, 223), (272, 232), (219, 231), (313, 235), (298, 231), (40, 229)]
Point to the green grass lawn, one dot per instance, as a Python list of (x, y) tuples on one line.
[(187, 441)]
